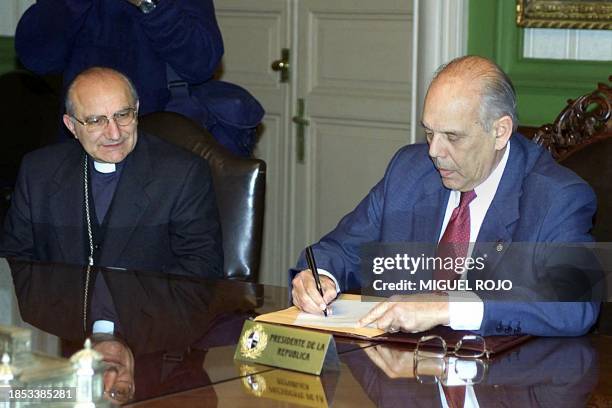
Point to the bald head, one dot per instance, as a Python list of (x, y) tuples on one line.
[(485, 78), (468, 119), (101, 113), (98, 76)]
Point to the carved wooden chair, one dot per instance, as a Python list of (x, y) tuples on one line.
[(581, 139)]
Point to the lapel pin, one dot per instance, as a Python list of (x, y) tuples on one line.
[(500, 246)]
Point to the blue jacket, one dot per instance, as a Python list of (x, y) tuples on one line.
[(68, 36), (537, 200)]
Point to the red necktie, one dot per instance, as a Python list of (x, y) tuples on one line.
[(455, 396), (456, 239)]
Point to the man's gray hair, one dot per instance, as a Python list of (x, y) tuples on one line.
[(497, 94), (100, 72)]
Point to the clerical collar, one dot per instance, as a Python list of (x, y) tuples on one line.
[(105, 167)]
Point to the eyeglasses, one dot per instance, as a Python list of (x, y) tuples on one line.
[(94, 124), (470, 347), (121, 392), (431, 370)]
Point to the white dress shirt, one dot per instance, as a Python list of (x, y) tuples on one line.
[(465, 308), (457, 372)]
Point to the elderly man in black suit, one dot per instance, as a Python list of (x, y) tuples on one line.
[(117, 197)]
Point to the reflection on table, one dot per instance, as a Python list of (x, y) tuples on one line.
[(172, 338)]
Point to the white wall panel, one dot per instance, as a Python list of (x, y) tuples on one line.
[(10, 12), (351, 158), (566, 44)]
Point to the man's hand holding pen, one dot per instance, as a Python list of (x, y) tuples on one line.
[(306, 296)]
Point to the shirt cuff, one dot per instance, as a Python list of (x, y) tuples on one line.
[(330, 276), (103, 326), (465, 309)]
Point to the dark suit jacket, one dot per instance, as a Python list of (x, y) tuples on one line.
[(537, 201), (204, 314), (163, 215)]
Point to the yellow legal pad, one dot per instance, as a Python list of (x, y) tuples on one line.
[(289, 316)]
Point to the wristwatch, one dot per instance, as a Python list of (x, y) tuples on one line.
[(147, 6)]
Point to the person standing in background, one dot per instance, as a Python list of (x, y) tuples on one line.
[(164, 46)]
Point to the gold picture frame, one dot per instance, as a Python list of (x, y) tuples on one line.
[(583, 14)]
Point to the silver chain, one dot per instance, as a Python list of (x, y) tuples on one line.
[(89, 233), (85, 299), (90, 236)]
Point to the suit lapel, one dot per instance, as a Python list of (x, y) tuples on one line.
[(129, 203), (429, 211), (66, 206), (496, 232), (132, 303)]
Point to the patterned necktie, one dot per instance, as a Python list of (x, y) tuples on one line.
[(455, 396), (456, 239)]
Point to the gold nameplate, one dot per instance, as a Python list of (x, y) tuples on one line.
[(286, 347), (286, 386)]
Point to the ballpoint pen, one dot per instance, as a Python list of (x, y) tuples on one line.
[(310, 259)]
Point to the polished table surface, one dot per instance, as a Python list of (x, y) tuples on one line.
[(556, 379), (183, 332)]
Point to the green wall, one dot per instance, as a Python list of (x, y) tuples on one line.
[(8, 60), (543, 86)]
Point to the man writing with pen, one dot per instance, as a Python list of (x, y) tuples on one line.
[(475, 180)]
